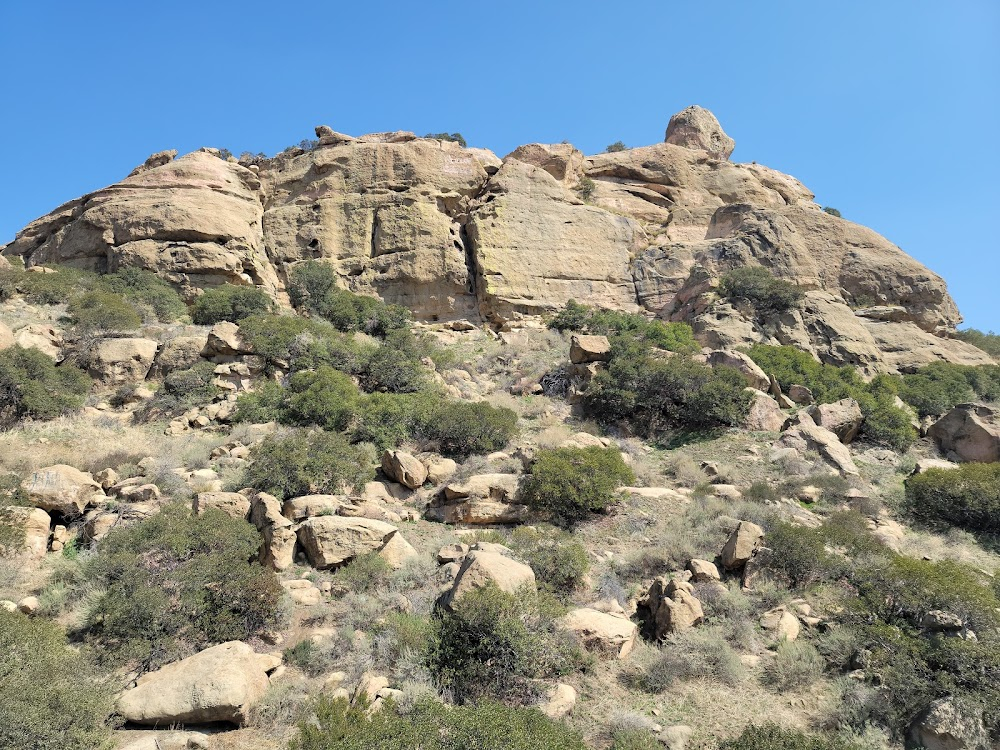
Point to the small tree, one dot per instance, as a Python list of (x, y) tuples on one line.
[(230, 303), (32, 386), (104, 312), (614, 147), (832, 211), (758, 286)]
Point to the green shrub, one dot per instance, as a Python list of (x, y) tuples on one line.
[(586, 188), (756, 285), (988, 342), (493, 645), (388, 419), (461, 428), (453, 137), (696, 655), (182, 390), (615, 147), (146, 292), (394, 366), (230, 303), (570, 484), (936, 388), (364, 573), (312, 287), (559, 561), (673, 337), (832, 211), (773, 737), (431, 725), (50, 696), (325, 397), (103, 312), (46, 288), (307, 463), (178, 581), (32, 386), (796, 664), (968, 497), (296, 343), (653, 395)]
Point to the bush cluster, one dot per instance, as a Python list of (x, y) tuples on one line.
[(653, 394), (571, 484), (884, 422), (936, 388), (756, 285), (494, 645), (31, 385), (175, 582), (50, 696), (773, 737), (989, 342), (431, 725), (104, 312), (307, 463), (312, 287), (147, 295), (559, 561), (673, 337), (968, 497), (453, 137), (180, 391), (230, 303)]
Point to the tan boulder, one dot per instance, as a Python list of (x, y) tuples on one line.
[(278, 538), (561, 160), (45, 338), (969, 432), (481, 499), (481, 567), (333, 540), (29, 605), (672, 606), (559, 701), (765, 414), (800, 395), (116, 360), (455, 552), (440, 470), (34, 523), (231, 503), (843, 418), (218, 684), (225, 340), (600, 631), (402, 467), (181, 353), (307, 506), (696, 127), (398, 552), (755, 377), (6, 336), (926, 464), (62, 489), (703, 571), (583, 349), (946, 725), (741, 545), (784, 625), (805, 433)]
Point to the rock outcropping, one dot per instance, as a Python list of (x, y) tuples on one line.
[(456, 233)]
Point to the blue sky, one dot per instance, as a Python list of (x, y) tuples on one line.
[(889, 110)]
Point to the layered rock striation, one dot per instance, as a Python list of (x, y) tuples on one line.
[(456, 233)]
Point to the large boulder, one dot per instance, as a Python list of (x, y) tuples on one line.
[(278, 537), (45, 338), (765, 414), (62, 489), (233, 504), (843, 418), (969, 432), (947, 726), (696, 127), (755, 377), (561, 160), (121, 360), (404, 468), (333, 540), (805, 433), (600, 631), (218, 684), (481, 499), (672, 607), (584, 349), (481, 567), (34, 523), (6, 337), (741, 545)]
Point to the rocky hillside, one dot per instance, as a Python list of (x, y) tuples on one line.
[(457, 234), (388, 443)]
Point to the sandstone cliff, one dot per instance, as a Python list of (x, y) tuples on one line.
[(458, 234)]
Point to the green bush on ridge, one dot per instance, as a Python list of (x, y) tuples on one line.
[(32, 386), (756, 285), (967, 497), (230, 303)]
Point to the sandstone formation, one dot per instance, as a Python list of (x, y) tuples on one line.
[(334, 540), (969, 432), (600, 631), (217, 684), (455, 234), (62, 489), (741, 545), (482, 566)]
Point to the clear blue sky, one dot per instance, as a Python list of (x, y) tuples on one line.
[(889, 110)]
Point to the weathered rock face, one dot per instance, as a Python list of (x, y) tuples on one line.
[(62, 489), (217, 684), (969, 432), (333, 540), (454, 233), (196, 220), (602, 632), (122, 360), (947, 726), (482, 566)]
